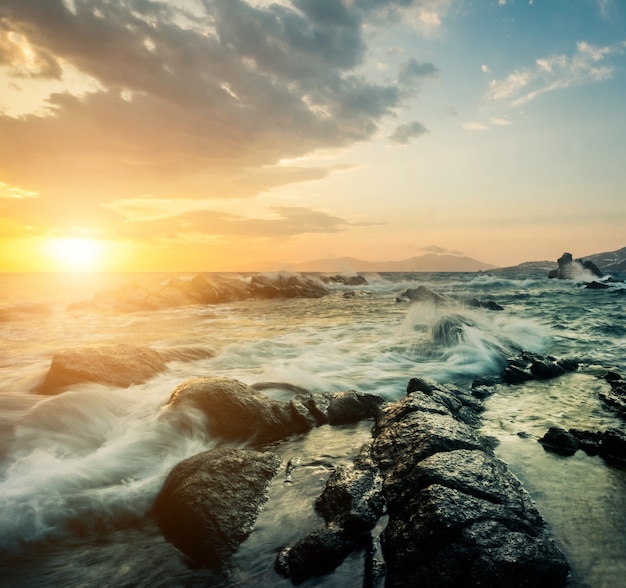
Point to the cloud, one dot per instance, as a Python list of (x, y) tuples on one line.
[(404, 133), (485, 68), (284, 221), (589, 64), (441, 250), (186, 98), (13, 192), (474, 126)]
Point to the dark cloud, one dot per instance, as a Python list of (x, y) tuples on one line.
[(404, 133), (414, 70), (288, 221)]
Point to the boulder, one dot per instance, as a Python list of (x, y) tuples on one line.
[(114, 365), (423, 294), (209, 502), (286, 286), (318, 553), (457, 516), (559, 441), (350, 406), (615, 398), (237, 412)]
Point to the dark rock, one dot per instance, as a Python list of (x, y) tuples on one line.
[(559, 441), (350, 294), (209, 502), (351, 407), (596, 285), (488, 304), (613, 445), (351, 498), (316, 554), (570, 269), (345, 280), (544, 370), (114, 365), (449, 330), (286, 286), (615, 398), (569, 365), (423, 294), (588, 441), (237, 412), (457, 516), (513, 374)]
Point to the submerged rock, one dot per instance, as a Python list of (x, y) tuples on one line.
[(114, 365), (209, 502), (559, 441)]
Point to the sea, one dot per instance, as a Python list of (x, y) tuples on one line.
[(79, 470)]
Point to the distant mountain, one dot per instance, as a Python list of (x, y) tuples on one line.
[(612, 261), (609, 262), (430, 262)]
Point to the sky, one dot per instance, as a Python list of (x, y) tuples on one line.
[(209, 135)]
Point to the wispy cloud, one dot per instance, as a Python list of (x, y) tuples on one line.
[(15, 193), (588, 64), (474, 126)]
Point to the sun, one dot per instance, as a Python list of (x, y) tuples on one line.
[(75, 253)]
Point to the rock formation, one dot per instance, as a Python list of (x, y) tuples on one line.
[(209, 502), (116, 365), (571, 269)]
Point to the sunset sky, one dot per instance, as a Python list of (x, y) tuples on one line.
[(199, 135)]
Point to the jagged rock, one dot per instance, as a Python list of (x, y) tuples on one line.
[(286, 286), (351, 499), (316, 554), (609, 444), (115, 365), (457, 516), (209, 502), (559, 441), (570, 269), (596, 285), (237, 412), (345, 280), (545, 370)]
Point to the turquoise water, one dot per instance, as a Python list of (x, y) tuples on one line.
[(79, 471)]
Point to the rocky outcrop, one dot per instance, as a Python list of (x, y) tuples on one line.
[(615, 398), (357, 280), (609, 444), (457, 516), (286, 286), (571, 269), (115, 365), (528, 366), (203, 289), (237, 412), (423, 294), (209, 502)]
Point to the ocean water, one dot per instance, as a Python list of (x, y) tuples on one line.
[(79, 471)]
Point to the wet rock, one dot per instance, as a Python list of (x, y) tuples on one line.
[(237, 412), (351, 407), (352, 499), (615, 398), (423, 294), (457, 516), (345, 280), (532, 366), (588, 441), (286, 286), (115, 365), (209, 502), (545, 370), (596, 285), (559, 441), (613, 445), (449, 330), (571, 269), (316, 554)]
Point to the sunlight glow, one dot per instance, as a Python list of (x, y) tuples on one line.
[(75, 253)]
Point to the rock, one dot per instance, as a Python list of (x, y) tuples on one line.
[(559, 441), (345, 280), (286, 286), (457, 516), (596, 285), (209, 502), (615, 398), (237, 412), (115, 365), (316, 554), (532, 366), (570, 269), (545, 370), (588, 441), (423, 294), (351, 499), (351, 407), (449, 330), (613, 445)]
